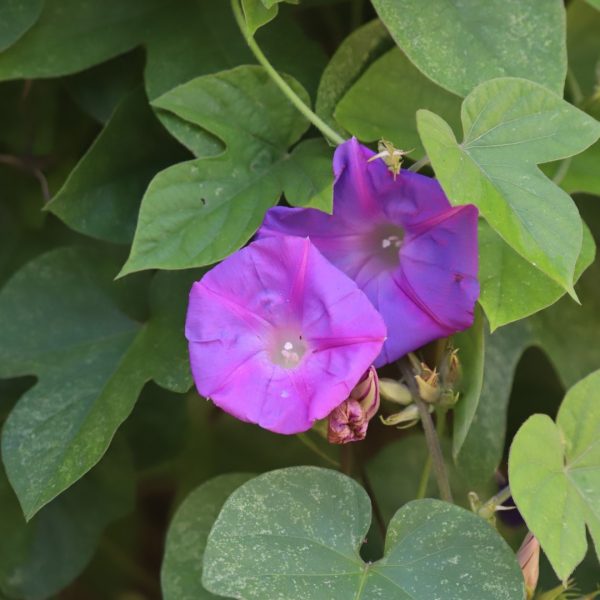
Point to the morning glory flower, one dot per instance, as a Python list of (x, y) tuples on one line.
[(278, 336), (407, 248)]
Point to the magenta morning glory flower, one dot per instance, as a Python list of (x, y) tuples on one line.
[(413, 254), (278, 336)]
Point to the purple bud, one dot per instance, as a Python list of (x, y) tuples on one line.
[(350, 420)]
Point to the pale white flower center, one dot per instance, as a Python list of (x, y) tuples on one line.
[(391, 241), (287, 348), (290, 354)]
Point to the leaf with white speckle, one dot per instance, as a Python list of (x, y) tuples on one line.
[(459, 44), (58, 322), (181, 571), (296, 533)]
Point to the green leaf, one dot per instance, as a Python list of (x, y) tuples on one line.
[(583, 42), (257, 14), (582, 174), (99, 90), (554, 471), (481, 451), (471, 347), (395, 473), (178, 53), (352, 57), (566, 332), (510, 126), (102, 195), (71, 35), (198, 212), (39, 558), (511, 287), (384, 101), (595, 3), (459, 45), (16, 17), (309, 175), (181, 571), (58, 322), (296, 533)]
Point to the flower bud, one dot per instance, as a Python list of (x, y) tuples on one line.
[(529, 561), (350, 420), (428, 384), (405, 418), (394, 391)]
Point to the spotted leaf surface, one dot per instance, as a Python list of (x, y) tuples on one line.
[(295, 534)]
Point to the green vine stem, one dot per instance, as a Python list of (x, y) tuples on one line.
[(433, 442), (327, 131), (489, 508), (425, 474)]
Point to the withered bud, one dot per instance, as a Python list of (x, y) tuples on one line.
[(529, 561), (394, 391), (350, 420)]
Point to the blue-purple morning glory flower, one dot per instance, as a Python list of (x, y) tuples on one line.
[(413, 254), (278, 336)]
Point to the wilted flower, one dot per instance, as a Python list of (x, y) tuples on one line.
[(349, 421), (398, 237), (278, 336), (529, 561)]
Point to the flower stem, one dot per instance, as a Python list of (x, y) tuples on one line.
[(489, 508), (440, 425), (423, 162), (433, 442), (327, 131)]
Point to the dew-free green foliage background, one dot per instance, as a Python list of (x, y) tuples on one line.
[(140, 143)]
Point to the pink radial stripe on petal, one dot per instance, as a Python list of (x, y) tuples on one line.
[(255, 327), (407, 248)]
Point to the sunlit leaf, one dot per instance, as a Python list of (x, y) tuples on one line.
[(510, 126), (554, 471)]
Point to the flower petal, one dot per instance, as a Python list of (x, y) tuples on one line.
[(439, 266), (264, 291)]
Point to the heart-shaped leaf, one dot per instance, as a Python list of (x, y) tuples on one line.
[(296, 533), (91, 361), (461, 44), (198, 212), (511, 125), (554, 473), (181, 571)]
